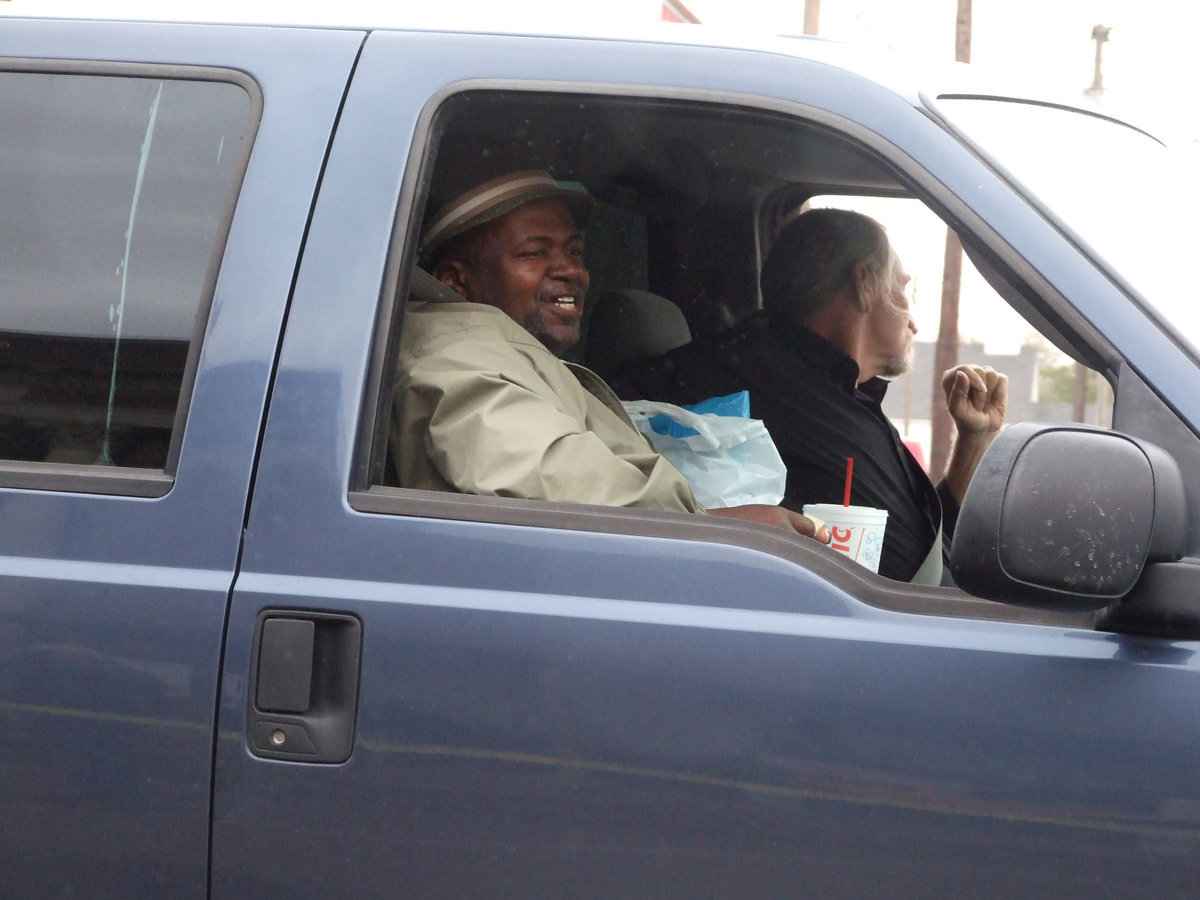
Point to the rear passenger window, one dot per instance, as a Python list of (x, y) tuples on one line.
[(116, 192)]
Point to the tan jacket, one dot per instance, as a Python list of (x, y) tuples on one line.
[(482, 407)]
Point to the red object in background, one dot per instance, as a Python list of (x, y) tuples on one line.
[(675, 11), (915, 449)]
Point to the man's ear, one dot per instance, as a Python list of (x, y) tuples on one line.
[(866, 286), (453, 274)]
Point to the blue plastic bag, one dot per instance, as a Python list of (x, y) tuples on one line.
[(730, 460), (729, 405)]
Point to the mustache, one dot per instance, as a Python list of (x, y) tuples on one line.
[(572, 286)]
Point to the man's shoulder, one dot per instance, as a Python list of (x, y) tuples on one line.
[(447, 340), (429, 327)]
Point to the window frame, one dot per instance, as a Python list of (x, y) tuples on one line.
[(366, 493), (128, 481)]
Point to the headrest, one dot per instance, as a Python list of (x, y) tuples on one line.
[(631, 325), (424, 287)]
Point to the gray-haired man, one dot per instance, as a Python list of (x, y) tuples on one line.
[(835, 324)]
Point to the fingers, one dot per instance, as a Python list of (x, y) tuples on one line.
[(779, 517), (979, 378), (976, 398), (965, 387), (980, 385), (956, 384), (998, 389), (808, 526), (990, 393), (960, 380), (820, 531)]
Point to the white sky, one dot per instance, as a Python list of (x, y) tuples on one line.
[(1150, 76), (1148, 62)]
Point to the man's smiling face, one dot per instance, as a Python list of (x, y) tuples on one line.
[(529, 263)]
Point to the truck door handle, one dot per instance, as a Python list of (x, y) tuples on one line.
[(304, 685)]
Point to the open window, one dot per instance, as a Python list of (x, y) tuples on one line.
[(689, 197)]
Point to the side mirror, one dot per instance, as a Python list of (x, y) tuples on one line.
[(1067, 517)]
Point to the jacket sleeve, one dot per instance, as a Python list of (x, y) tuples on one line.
[(950, 510), (498, 426)]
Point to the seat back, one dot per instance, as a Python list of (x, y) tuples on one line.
[(628, 326), (424, 287)]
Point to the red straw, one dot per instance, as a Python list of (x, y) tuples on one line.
[(849, 476)]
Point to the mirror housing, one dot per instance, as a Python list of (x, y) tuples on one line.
[(1067, 517)]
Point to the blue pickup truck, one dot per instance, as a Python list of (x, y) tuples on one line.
[(236, 660)]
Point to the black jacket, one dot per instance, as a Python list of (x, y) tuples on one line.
[(803, 388)]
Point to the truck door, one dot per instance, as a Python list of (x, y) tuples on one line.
[(148, 238), (435, 694)]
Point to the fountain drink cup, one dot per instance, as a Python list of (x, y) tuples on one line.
[(857, 530)]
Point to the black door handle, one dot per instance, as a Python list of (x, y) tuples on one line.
[(304, 685)]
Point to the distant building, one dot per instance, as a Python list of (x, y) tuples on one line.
[(908, 399)]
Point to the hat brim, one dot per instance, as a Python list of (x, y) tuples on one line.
[(498, 198)]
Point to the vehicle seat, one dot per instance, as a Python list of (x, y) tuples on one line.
[(628, 326), (422, 288)]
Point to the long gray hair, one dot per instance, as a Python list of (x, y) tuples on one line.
[(814, 256)]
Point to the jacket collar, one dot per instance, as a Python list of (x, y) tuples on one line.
[(821, 354)]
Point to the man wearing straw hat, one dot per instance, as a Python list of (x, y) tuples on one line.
[(835, 325), (483, 403)]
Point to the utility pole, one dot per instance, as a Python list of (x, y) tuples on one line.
[(946, 353), (1100, 36), (812, 16)]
